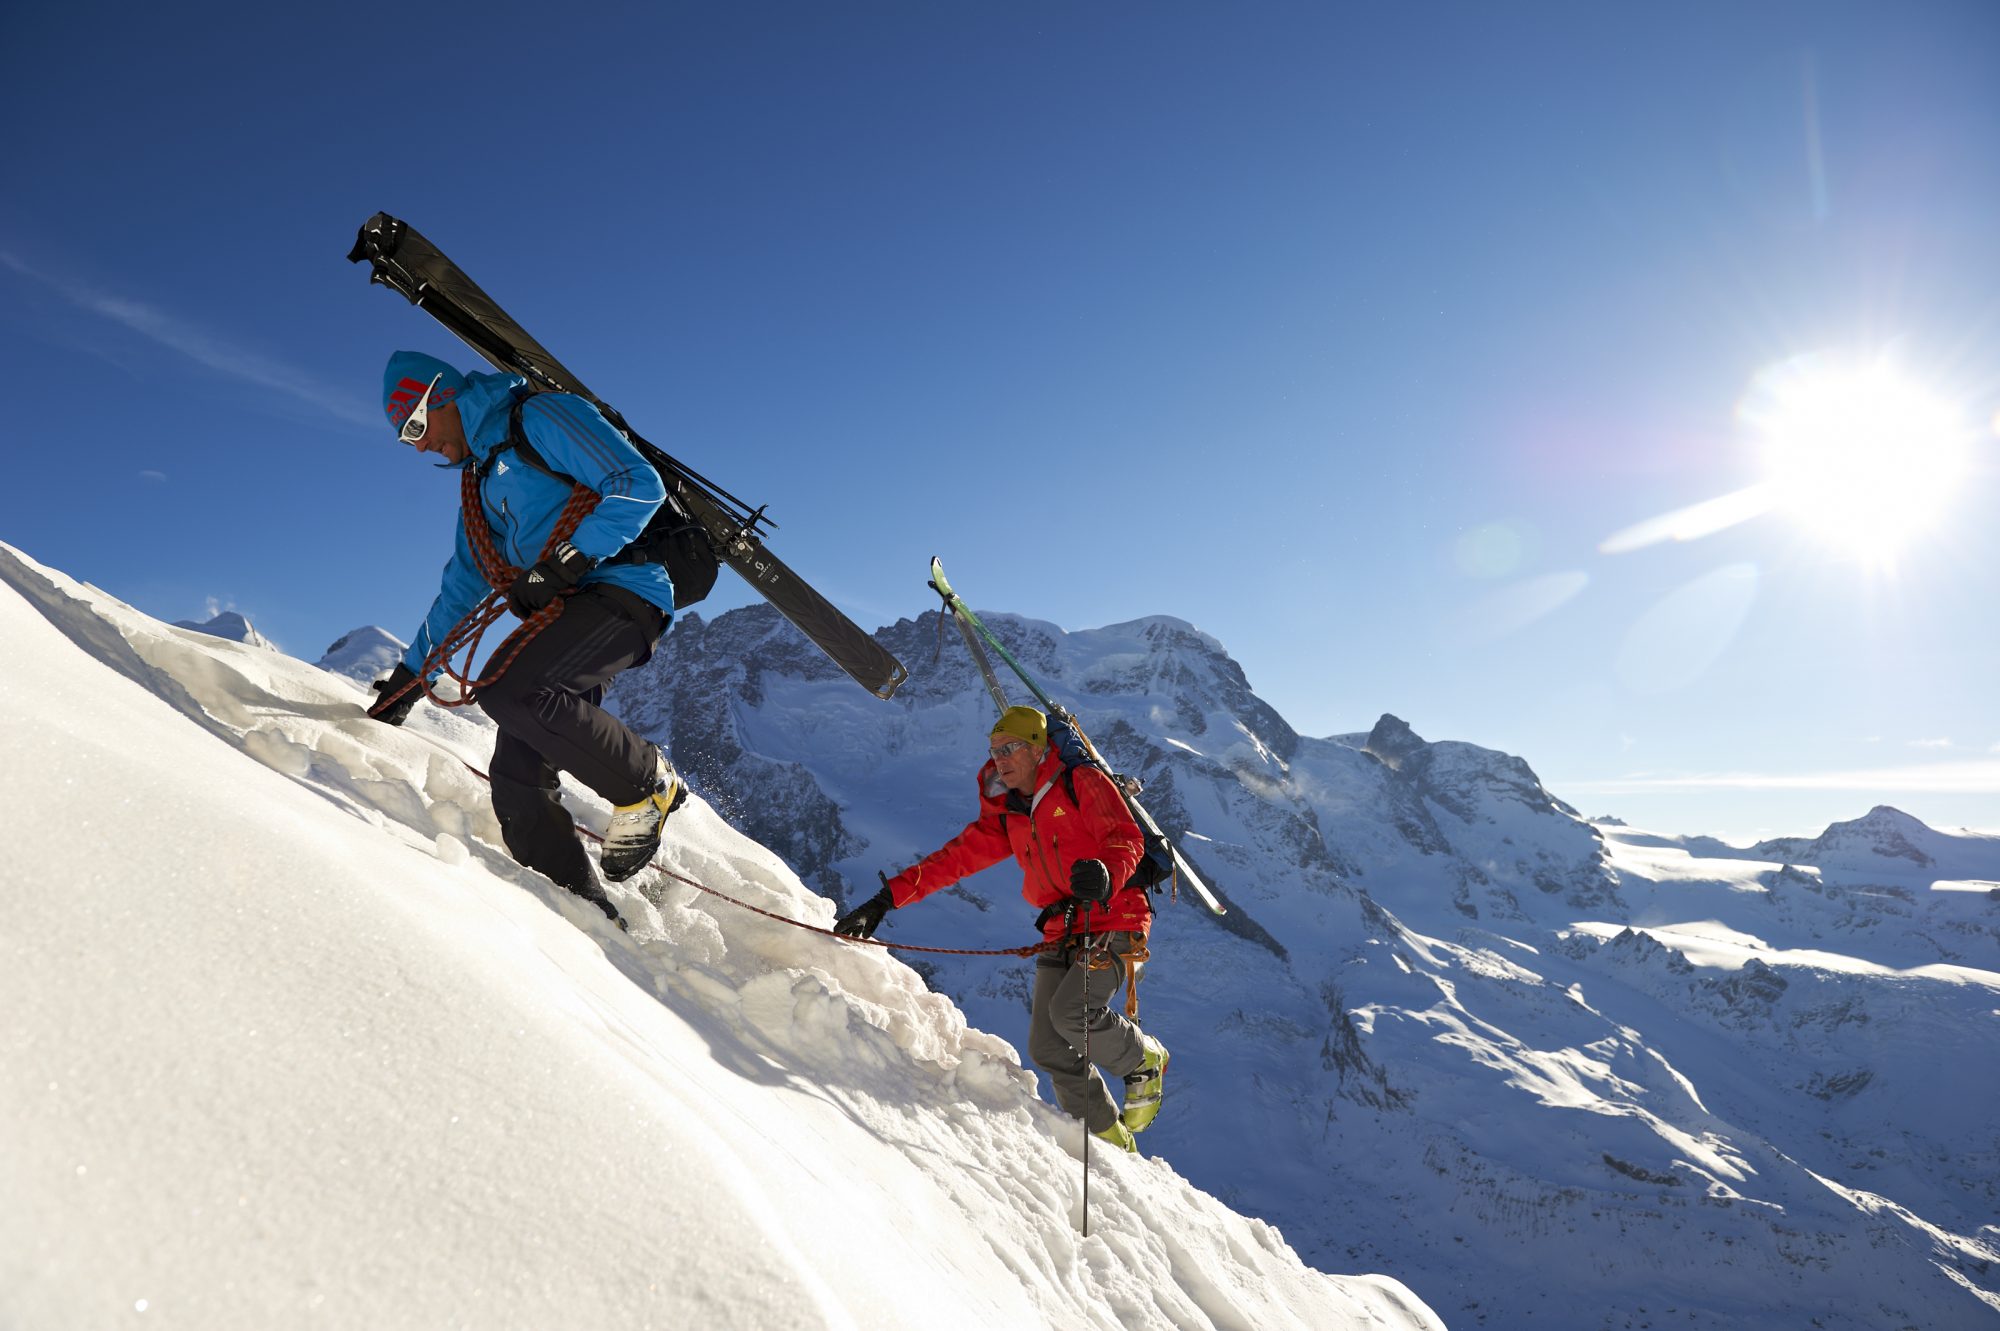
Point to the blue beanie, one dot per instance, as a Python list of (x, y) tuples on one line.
[(406, 377)]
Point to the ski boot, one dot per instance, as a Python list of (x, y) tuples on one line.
[(1120, 1136), (1143, 1087), (634, 835)]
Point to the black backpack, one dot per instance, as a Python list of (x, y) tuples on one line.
[(672, 538)]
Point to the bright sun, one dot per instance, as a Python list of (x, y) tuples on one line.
[(1857, 453)]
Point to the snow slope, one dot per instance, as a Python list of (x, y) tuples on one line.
[(1547, 1073), (289, 1042)]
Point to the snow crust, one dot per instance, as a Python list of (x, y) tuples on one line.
[(289, 1041)]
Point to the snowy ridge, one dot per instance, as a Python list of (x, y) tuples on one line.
[(292, 1041), (1451, 1029), (1888, 840)]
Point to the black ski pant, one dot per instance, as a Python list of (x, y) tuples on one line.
[(1068, 998), (546, 705)]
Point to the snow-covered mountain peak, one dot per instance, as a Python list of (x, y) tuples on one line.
[(1165, 633), (1882, 831), (231, 626), (1885, 841), (364, 655), (1488, 811), (1454, 772)]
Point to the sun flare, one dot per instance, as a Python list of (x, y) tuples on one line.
[(1861, 456)]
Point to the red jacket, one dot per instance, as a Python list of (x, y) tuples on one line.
[(1047, 839)]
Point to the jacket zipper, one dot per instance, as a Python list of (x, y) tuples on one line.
[(507, 524), (1044, 855)]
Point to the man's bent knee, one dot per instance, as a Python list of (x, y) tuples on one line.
[(509, 707), (1050, 1048)]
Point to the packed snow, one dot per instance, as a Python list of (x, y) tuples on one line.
[(290, 1042)]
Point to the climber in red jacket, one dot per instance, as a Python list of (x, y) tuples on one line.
[(1077, 846)]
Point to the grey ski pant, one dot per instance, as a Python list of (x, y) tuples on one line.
[(1066, 995), (546, 706)]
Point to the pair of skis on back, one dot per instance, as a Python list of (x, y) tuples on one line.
[(401, 259)]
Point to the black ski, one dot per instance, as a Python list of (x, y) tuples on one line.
[(404, 261)]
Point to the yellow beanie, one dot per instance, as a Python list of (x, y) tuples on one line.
[(1023, 723)]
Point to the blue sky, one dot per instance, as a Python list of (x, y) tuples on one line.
[(1366, 338)]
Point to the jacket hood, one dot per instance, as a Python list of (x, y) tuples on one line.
[(483, 407)]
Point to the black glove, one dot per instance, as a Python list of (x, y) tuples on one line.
[(1089, 880), (866, 918), (562, 570), (389, 709)]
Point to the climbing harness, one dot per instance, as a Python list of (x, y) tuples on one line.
[(1099, 956)]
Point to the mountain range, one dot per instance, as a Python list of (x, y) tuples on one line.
[(1547, 1071)]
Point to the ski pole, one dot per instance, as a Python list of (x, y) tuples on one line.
[(1089, 1068)]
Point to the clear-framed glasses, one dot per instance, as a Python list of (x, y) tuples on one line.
[(420, 415), (1007, 750)]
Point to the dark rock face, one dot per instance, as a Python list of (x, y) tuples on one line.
[(1433, 793)]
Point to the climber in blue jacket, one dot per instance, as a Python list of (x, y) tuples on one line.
[(546, 702)]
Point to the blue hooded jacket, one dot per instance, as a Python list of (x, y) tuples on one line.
[(522, 502)]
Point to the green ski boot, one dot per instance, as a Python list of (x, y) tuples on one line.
[(1143, 1087), (1118, 1135)]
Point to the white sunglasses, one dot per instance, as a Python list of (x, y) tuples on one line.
[(420, 415)]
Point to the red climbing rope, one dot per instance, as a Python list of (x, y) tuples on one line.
[(1031, 949), (500, 575)]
